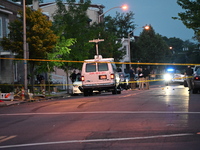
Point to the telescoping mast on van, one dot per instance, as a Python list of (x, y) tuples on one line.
[(100, 74)]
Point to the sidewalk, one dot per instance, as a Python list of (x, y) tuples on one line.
[(18, 101)]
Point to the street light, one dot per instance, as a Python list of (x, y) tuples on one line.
[(129, 40), (124, 7)]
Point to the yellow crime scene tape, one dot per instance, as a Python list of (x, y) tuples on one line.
[(133, 63)]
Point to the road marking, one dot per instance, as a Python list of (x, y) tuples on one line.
[(1, 137), (5, 138), (103, 112), (96, 140)]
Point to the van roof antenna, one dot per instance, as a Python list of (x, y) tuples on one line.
[(96, 41)]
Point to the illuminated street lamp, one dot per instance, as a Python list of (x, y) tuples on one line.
[(129, 40), (124, 7)]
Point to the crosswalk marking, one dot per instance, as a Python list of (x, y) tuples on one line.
[(6, 138)]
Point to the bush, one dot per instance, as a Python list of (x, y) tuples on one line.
[(7, 88)]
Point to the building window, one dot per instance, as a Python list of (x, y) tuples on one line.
[(7, 29), (1, 28), (15, 66)]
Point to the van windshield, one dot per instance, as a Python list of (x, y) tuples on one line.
[(102, 67), (91, 67)]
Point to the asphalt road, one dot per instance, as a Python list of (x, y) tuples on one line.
[(161, 118)]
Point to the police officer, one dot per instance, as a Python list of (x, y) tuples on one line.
[(189, 73)]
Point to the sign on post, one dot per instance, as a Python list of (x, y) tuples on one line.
[(8, 96), (96, 41)]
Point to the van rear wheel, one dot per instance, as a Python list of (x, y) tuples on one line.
[(85, 92), (90, 92), (114, 91)]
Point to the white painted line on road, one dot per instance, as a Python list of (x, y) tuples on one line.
[(103, 112), (96, 140)]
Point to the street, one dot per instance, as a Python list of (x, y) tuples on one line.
[(162, 118)]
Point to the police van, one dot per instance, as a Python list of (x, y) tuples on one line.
[(100, 74)]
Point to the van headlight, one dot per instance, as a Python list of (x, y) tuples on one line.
[(167, 77)]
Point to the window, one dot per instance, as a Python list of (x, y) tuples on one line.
[(91, 67), (7, 29), (198, 71), (1, 28), (102, 67), (15, 66)]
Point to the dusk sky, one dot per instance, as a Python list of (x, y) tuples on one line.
[(158, 13)]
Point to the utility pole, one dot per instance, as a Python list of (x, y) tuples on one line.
[(25, 47)]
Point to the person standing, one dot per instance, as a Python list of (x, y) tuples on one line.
[(141, 78), (73, 76), (132, 76), (189, 73), (146, 73)]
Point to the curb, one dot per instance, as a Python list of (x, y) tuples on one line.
[(37, 99)]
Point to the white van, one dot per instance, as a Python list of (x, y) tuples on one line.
[(100, 74)]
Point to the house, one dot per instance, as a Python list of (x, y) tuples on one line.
[(93, 11), (8, 13), (126, 59)]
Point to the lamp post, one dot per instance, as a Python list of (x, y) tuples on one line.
[(124, 7), (129, 40)]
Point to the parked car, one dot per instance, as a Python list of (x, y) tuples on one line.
[(178, 77), (76, 85), (124, 80), (196, 82), (195, 68)]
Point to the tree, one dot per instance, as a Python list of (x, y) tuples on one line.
[(152, 48), (183, 51), (190, 17), (191, 51), (40, 38), (110, 47), (61, 52), (74, 23), (121, 25), (176, 44), (111, 30)]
